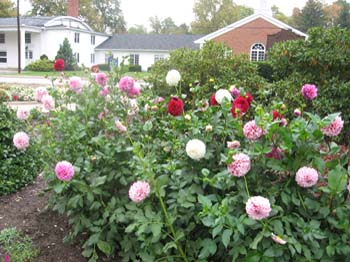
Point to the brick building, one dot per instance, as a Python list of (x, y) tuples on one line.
[(253, 35)]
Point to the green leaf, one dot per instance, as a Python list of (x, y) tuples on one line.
[(217, 230), (208, 248), (156, 229), (58, 188), (99, 181), (337, 180), (148, 126), (226, 235), (257, 239), (105, 247), (205, 201)]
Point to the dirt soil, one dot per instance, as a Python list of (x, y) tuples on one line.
[(26, 210)]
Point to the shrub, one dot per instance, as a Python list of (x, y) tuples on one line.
[(18, 167), (265, 70), (135, 68), (40, 66), (65, 52), (104, 67), (44, 57), (4, 95), (196, 207), (209, 66)]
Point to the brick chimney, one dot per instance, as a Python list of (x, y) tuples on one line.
[(73, 8)]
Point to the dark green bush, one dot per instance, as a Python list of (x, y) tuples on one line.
[(104, 67), (210, 66), (135, 68), (18, 167), (265, 70), (43, 57), (40, 66)]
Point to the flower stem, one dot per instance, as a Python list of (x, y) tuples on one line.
[(301, 200), (170, 225), (246, 186)]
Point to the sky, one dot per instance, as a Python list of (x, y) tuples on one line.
[(139, 11)]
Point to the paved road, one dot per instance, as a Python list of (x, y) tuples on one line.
[(24, 80)]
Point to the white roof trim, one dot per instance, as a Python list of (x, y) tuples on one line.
[(246, 20), (68, 18)]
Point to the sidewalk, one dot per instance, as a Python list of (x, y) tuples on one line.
[(32, 80)]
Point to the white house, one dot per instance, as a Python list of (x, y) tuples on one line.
[(142, 49), (43, 35)]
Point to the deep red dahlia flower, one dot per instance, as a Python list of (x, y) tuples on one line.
[(249, 97), (59, 64), (213, 101), (276, 115), (175, 106)]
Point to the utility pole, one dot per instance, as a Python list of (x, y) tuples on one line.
[(19, 38)]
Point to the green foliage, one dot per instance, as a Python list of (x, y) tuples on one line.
[(4, 95), (265, 70), (323, 59), (19, 246), (343, 20), (18, 167), (42, 65), (43, 57), (7, 8), (210, 66), (135, 68), (196, 209), (65, 52), (104, 67)]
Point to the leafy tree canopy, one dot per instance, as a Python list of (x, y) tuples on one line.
[(7, 8)]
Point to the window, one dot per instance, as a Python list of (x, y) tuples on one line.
[(77, 57), (29, 54), (76, 37), (28, 38), (134, 59), (93, 40), (257, 52), (2, 38), (158, 57), (92, 58), (3, 57)]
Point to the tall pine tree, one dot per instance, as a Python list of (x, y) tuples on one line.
[(66, 53), (311, 15), (343, 19)]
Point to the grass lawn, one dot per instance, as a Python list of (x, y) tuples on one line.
[(136, 75)]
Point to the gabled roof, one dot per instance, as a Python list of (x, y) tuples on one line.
[(247, 20), (38, 21), (157, 42)]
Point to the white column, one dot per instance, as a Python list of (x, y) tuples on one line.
[(23, 49)]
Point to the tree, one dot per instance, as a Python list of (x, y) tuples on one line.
[(65, 52), (211, 15), (311, 15), (101, 15), (168, 26), (331, 14), (343, 19), (156, 24), (276, 13), (137, 29), (7, 8)]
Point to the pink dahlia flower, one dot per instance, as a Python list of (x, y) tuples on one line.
[(235, 92), (334, 128), (278, 240), (139, 191), (309, 91), (276, 153), (104, 92), (101, 79), (158, 100), (126, 83), (258, 207), (64, 171), (21, 140), (134, 92), (306, 177), (240, 165), (23, 113), (252, 131), (233, 144), (48, 102), (76, 84), (120, 126), (39, 93)]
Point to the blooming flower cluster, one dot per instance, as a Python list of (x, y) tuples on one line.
[(59, 64), (175, 106), (306, 177), (334, 128), (221, 95), (23, 113), (76, 84), (258, 207), (39, 93), (251, 131), (127, 84), (309, 91), (195, 149), (173, 77), (101, 79), (21, 140), (240, 165), (64, 171), (139, 191)]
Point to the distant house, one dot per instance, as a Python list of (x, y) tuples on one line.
[(142, 49), (43, 35), (253, 35)]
